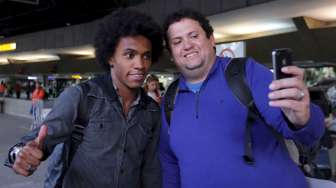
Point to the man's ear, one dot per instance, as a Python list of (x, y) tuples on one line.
[(111, 62), (212, 40)]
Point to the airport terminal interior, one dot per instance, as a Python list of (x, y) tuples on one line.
[(49, 42)]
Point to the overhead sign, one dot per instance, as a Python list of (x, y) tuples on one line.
[(7, 47), (233, 49)]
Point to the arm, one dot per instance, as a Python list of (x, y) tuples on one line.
[(59, 127), (169, 163), (151, 174), (294, 117)]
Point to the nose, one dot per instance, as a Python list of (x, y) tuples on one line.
[(187, 45), (139, 63)]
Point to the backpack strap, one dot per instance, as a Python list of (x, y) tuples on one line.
[(169, 100), (235, 76)]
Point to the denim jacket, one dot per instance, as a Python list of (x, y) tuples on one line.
[(116, 151)]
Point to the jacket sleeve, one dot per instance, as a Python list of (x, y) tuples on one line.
[(259, 79), (169, 163), (151, 174), (59, 121)]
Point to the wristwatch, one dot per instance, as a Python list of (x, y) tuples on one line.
[(13, 152)]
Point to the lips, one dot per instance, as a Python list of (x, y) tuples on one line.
[(191, 54), (136, 76)]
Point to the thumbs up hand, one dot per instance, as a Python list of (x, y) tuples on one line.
[(30, 156)]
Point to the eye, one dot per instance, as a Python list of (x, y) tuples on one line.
[(194, 35), (176, 41), (148, 56), (129, 55)]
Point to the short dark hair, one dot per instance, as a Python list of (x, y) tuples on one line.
[(124, 23), (187, 13)]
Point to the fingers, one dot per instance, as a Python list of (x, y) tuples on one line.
[(298, 112), (289, 104), (292, 82), (289, 88), (30, 156), (28, 159), (20, 168), (290, 93), (295, 81), (294, 70), (41, 136), (32, 149)]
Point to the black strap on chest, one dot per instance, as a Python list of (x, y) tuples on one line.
[(169, 100), (235, 77)]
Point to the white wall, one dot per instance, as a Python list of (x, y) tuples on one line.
[(17, 107)]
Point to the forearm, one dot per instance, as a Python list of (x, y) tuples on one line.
[(59, 123)]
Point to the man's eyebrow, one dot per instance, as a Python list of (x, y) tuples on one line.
[(129, 50), (179, 37), (134, 50), (175, 37)]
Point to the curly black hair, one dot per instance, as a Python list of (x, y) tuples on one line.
[(186, 13), (124, 23)]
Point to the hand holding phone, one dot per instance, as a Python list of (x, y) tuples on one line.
[(281, 58), (290, 95)]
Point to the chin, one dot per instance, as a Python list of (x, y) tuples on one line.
[(135, 85)]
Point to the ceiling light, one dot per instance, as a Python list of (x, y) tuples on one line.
[(3, 61), (76, 76), (7, 47), (32, 78), (31, 57), (83, 51), (256, 27), (218, 35)]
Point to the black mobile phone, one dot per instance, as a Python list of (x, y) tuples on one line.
[(281, 58)]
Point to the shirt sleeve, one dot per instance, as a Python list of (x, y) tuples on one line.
[(259, 78), (169, 162), (60, 120)]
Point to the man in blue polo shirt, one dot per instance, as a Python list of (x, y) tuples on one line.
[(203, 145)]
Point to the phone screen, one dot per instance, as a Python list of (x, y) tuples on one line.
[(281, 58)]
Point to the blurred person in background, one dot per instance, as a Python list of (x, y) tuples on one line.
[(152, 87), (2, 89), (17, 89), (37, 104)]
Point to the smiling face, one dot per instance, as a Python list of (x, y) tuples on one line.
[(131, 62), (192, 51)]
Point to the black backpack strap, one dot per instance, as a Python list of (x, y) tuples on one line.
[(235, 77), (169, 100)]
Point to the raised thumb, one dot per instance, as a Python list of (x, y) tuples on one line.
[(41, 136)]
